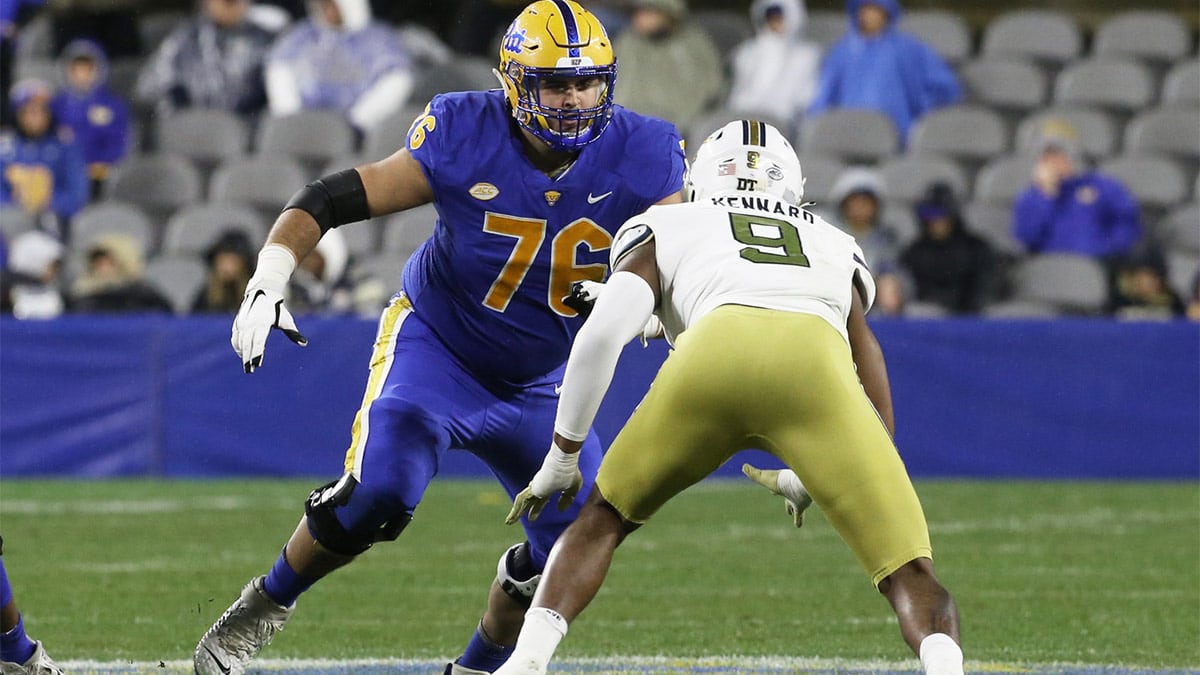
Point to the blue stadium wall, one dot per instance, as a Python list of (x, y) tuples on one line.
[(166, 397)]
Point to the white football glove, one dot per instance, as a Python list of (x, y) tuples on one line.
[(559, 473), (786, 484), (263, 309)]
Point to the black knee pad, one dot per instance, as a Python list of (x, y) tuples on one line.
[(516, 574), (323, 525)]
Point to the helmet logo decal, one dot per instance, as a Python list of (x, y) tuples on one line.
[(775, 173), (484, 191), (752, 159), (552, 196), (747, 184), (727, 169), (514, 40)]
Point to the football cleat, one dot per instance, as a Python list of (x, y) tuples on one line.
[(453, 668), (243, 630), (39, 663), (786, 484)]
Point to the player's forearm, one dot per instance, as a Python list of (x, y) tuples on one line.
[(872, 373), (297, 231)]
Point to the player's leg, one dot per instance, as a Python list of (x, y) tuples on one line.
[(402, 426), (19, 652), (927, 614)]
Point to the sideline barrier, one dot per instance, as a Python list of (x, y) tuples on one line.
[(166, 397)]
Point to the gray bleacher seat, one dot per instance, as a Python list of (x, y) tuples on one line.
[(909, 176), (820, 171), (123, 76), (179, 278), (264, 182), (108, 217), (40, 68), (969, 133), (155, 26), (1181, 85), (1157, 181), (1173, 130), (1047, 36), (363, 239), (403, 232), (1020, 309), (1119, 85), (993, 222), (312, 137), (1097, 130), (1180, 229), (207, 136), (1072, 284), (15, 220), (826, 26), (727, 27), (709, 121), (900, 218), (1155, 36), (463, 73), (1005, 83), (192, 229), (1002, 179), (945, 31), (389, 135), (852, 134), (159, 183)]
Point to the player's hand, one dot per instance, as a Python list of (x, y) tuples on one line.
[(559, 473), (583, 296), (262, 309), (786, 484)]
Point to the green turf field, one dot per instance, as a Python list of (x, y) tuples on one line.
[(1044, 572)]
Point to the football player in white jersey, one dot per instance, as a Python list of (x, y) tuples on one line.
[(765, 306)]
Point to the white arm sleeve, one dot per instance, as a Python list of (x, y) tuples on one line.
[(617, 318)]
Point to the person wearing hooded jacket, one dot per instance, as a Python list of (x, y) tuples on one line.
[(340, 59), (951, 267), (97, 118), (776, 71), (876, 66)]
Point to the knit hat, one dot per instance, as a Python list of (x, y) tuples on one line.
[(33, 251), (29, 89), (1057, 133)]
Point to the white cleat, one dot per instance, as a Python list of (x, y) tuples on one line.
[(786, 484), (242, 631), (516, 665), (39, 663)]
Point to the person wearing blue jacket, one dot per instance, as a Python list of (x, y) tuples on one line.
[(41, 172), (96, 118), (876, 66), (1068, 209)]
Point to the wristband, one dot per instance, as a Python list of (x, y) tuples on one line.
[(275, 266)]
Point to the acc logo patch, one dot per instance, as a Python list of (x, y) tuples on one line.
[(552, 196), (484, 191)]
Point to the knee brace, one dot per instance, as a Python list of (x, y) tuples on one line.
[(516, 575), (324, 526)]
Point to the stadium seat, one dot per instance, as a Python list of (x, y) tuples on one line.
[(1116, 85), (1182, 83), (108, 217), (123, 76), (264, 182), (968, 133), (403, 232), (900, 218), (363, 239), (820, 171), (207, 136), (1180, 229), (1071, 284), (1020, 309), (1005, 84), (909, 176), (1098, 136), (707, 122), (826, 26), (154, 26), (1183, 268), (852, 134), (179, 278), (1157, 181), (1002, 179), (313, 137), (159, 183), (40, 68), (1173, 131), (993, 222), (947, 32), (1049, 37), (463, 73), (15, 220), (1154, 36), (192, 229), (389, 135)]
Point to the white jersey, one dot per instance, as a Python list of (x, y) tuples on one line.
[(739, 248)]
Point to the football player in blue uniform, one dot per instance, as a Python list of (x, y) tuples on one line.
[(530, 183)]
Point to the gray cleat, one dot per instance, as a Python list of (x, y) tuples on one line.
[(242, 631), (39, 663)]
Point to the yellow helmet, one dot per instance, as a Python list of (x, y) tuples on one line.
[(557, 38)]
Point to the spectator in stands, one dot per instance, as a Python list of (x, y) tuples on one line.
[(1069, 209), (879, 67), (13, 15), (327, 282), (40, 171), (679, 73), (340, 59), (230, 261), (98, 119), (29, 285), (950, 267), (858, 193), (776, 71), (214, 60), (113, 283), (1142, 292)]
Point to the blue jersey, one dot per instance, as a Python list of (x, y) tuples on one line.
[(510, 240)]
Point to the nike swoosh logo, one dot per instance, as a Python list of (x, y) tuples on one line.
[(224, 668), (257, 294), (557, 388), (593, 200)]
